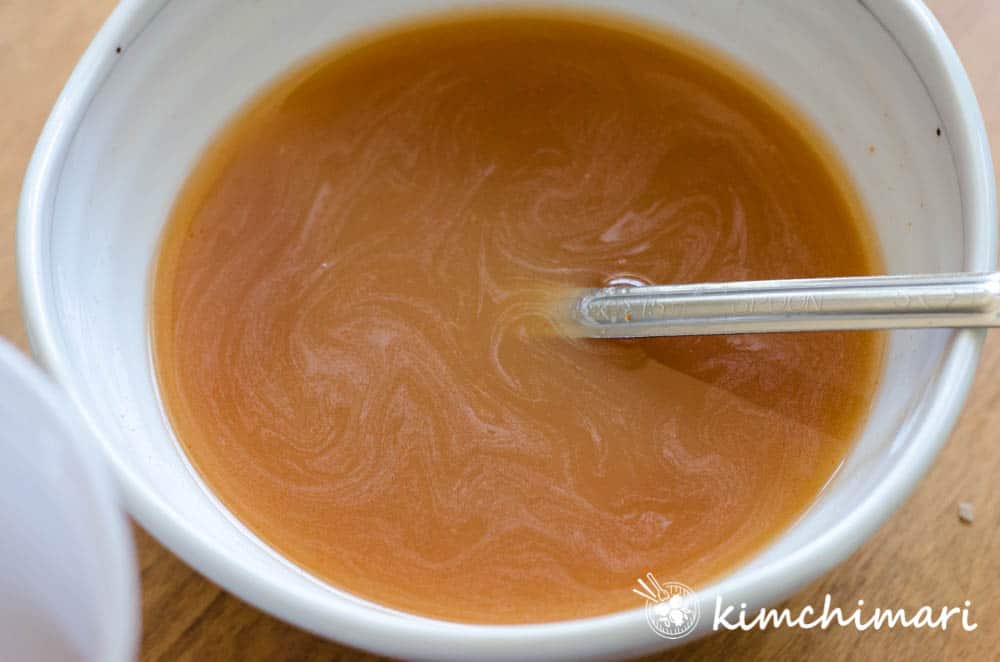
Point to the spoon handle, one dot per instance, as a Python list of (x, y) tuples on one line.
[(808, 304)]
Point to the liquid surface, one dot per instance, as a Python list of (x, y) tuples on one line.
[(351, 350)]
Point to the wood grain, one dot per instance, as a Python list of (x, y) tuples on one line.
[(924, 555)]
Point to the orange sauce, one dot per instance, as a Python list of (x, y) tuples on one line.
[(345, 331)]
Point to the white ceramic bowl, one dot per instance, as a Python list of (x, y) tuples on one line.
[(68, 584), (130, 124)]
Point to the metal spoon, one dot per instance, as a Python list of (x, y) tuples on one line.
[(809, 304)]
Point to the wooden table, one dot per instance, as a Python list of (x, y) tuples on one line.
[(924, 555)]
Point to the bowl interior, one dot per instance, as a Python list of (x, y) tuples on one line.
[(185, 68)]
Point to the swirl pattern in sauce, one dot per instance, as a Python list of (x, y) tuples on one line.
[(351, 349)]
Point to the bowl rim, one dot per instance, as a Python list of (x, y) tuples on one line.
[(407, 636)]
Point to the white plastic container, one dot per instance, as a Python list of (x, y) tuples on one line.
[(68, 584)]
